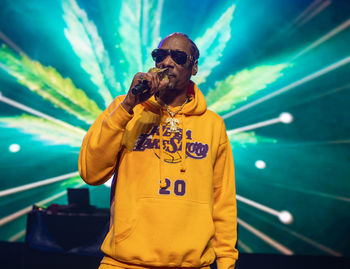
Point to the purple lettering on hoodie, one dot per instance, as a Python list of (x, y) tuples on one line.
[(189, 134), (197, 150), (140, 142), (155, 144), (172, 146), (166, 132), (172, 143)]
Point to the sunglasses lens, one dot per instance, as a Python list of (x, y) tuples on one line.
[(179, 57), (159, 55)]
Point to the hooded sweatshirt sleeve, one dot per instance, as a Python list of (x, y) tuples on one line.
[(102, 143), (225, 209)]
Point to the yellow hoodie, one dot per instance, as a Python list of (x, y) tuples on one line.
[(174, 206)]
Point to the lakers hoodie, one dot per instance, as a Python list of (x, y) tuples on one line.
[(174, 192)]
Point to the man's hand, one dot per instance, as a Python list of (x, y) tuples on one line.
[(154, 83)]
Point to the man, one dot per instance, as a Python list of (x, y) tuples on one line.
[(174, 202)]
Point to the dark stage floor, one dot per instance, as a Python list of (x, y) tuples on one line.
[(18, 255)]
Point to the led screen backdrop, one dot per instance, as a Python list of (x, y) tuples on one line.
[(276, 71)]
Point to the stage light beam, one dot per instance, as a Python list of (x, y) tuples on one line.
[(37, 184), (22, 212), (17, 236), (242, 245), (267, 239), (284, 216), (315, 12), (301, 237), (284, 117), (324, 38)]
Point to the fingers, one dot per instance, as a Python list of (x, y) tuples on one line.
[(154, 83), (152, 80)]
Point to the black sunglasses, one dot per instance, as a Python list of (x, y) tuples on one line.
[(180, 57)]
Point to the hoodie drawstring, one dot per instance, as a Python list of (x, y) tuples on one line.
[(161, 155), (183, 148)]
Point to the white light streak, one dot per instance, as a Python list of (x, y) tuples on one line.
[(273, 243), (305, 239), (315, 12), (310, 192), (311, 242), (11, 44), (17, 236), (38, 113), (37, 184), (306, 11), (284, 118), (332, 91), (284, 216), (339, 142), (244, 246), (324, 38), (296, 23), (14, 148), (27, 209), (290, 86)]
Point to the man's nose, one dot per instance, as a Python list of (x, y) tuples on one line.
[(167, 62)]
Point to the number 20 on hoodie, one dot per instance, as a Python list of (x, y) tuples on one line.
[(179, 188)]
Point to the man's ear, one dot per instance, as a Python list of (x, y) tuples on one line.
[(195, 68)]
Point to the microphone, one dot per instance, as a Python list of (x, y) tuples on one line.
[(142, 87)]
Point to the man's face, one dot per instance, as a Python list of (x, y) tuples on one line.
[(179, 75)]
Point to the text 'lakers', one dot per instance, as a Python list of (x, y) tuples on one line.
[(172, 143)]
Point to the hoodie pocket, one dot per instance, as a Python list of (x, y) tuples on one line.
[(169, 233)]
